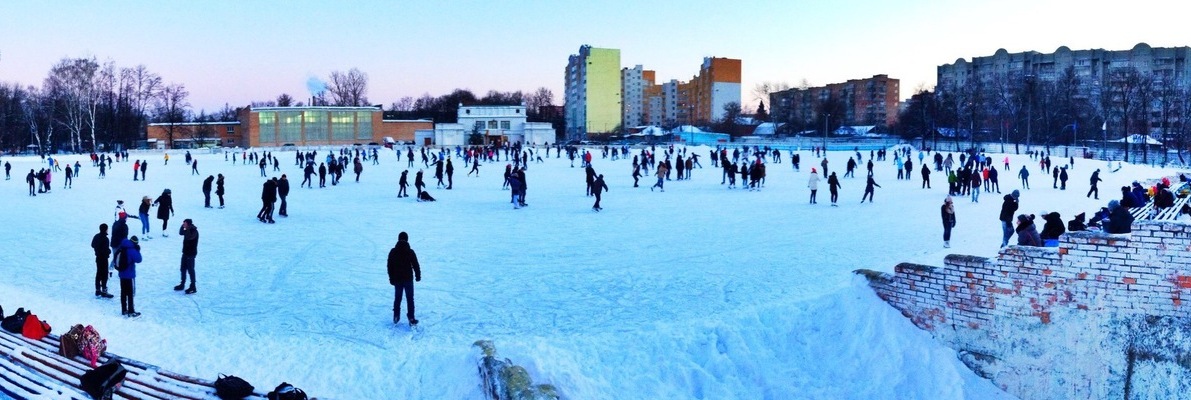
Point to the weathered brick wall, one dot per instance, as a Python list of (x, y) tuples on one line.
[(1092, 318)]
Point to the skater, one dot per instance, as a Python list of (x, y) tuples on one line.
[(165, 208), (661, 173), (1063, 178), (869, 189), (402, 184), (403, 272), (193, 168), (475, 167), (1094, 180), (813, 185), (1006, 217), (636, 174), (143, 215), (144, 169), (69, 175), (219, 189), (450, 174), (268, 196), (31, 178), (103, 249), (419, 183), (948, 214), (282, 192), (598, 187), (207, 191), (1024, 174), (127, 255), (833, 186), (136, 169), (307, 173), (925, 177), (119, 233), (190, 238), (358, 168)]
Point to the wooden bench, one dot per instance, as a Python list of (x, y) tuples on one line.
[(33, 369), (1143, 212)]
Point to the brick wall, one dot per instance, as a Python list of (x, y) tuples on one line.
[(1092, 318)]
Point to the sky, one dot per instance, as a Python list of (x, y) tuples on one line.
[(235, 52)]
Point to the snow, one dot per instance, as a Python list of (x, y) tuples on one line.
[(697, 292)]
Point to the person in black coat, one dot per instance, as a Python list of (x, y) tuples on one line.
[(450, 169), (403, 270), (1094, 180), (119, 233), (165, 209), (322, 175), (207, 191), (103, 249), (1007, 209), (1127, 199), (868, 189), (947, 212), (268, 197), (402, 184), (1119, 219), (419, 183), (307, 173), (219, 189), (190, 239), (282, 191), (833, 186), (1053, 228), (590, 178), (598, 186), (1077, 224)]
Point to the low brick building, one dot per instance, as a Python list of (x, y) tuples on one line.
[(278, 126)]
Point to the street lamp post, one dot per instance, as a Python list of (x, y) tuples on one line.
[(826, 121)]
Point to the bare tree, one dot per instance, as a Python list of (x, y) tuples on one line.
[(405, 104), (764, 89), (172, 108), (542, 97), (350, 88), (285, 100), (38, 112), (72, 81)]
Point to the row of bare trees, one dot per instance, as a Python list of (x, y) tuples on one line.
[(1059, 109), (83, 102)]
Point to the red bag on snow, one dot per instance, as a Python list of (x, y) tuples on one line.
[(35, 328)]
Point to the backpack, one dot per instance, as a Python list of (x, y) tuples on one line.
[(16, 322), (286, 391), (121, 259), (101, 383), (232, 387), (68, 344), (35, 328), (92, 345)]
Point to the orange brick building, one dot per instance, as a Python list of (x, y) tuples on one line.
[(277, 126)]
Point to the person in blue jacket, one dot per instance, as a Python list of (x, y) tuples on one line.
[(128, 254)]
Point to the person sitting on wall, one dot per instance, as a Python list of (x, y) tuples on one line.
[(1119, 220)]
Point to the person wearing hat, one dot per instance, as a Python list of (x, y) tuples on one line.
[(143, 215), (813, 185), (165, 208), (102, 247), (1006, 217), (1119, 220), (190, 238), (948, 214), (598, 186), (127, 255), (403, 270), (1027, 233)]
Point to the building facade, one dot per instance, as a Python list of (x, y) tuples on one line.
[(869, 101), (497, 125), (277, 126), (634, 82), (593, 96)]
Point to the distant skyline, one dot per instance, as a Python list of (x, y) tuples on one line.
[(237, 52)]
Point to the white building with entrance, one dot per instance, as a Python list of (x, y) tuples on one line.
[(497, 124)]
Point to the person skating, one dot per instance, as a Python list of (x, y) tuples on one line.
[(833, 186), (307, 174), (358, 168), (475, 167), (1063, 178), (69, 176), (119, 233), (127, 256), (813, 185), (322, 175), (450, 169), (661, 173), (1006, 217), (143, 215), (636, 174), (282, 192), (869, 189), (598, 186), (402, 184), (165, 209), (438, 174), (419, 183), (1094, 180), (136, 169), (193, 167), (268, 197), (144, 169), (103, 249), (948, 215), (219, 189), (403, 270), (1024, 174), (31, 179), (190, 238), (207, 190)]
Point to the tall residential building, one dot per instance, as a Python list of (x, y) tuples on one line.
[(698, 101), (634, 82), (593, 91), (869, 101)]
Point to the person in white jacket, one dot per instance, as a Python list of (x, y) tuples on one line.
[(813, 184)]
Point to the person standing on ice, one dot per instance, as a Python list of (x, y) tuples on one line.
[(143, 215), (1006, 217), (661, 173), (868, 189), (402, 184), (103, 249), (268, 196), (165, 209), (813, 185), (1024, 174), (824, 163), (598, 186), (219, 189), (190, 239), (948, 214), (833, 186), (144, 169), (282, 192), (128, 254), (419, 183), (403, 270), (925, 177), (207, 190)]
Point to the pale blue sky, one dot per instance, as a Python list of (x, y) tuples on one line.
[(239, 51)]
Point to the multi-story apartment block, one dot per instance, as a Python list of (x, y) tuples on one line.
[(869, 101), (634, 82), (593, 91)]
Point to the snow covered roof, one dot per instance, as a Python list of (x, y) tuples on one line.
[(1136, 139), (686, 128), (854, 130), (767, 128)]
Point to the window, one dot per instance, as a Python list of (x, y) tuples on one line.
[(289, 126), (479, 125), (268, 123), (364, 125), (342, 126), (316, 126), (504, 125), (492, 124), (231, 130)]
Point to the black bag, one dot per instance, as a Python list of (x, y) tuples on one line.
[(286, 391), (121, 259), (232, 387), (15, 323), (102, 382)]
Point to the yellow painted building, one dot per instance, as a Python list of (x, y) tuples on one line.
[(593, 92)]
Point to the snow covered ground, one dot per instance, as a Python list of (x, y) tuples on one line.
[(697, 292)]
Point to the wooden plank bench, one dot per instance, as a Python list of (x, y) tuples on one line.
[(1143, 212), (33, 369)]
